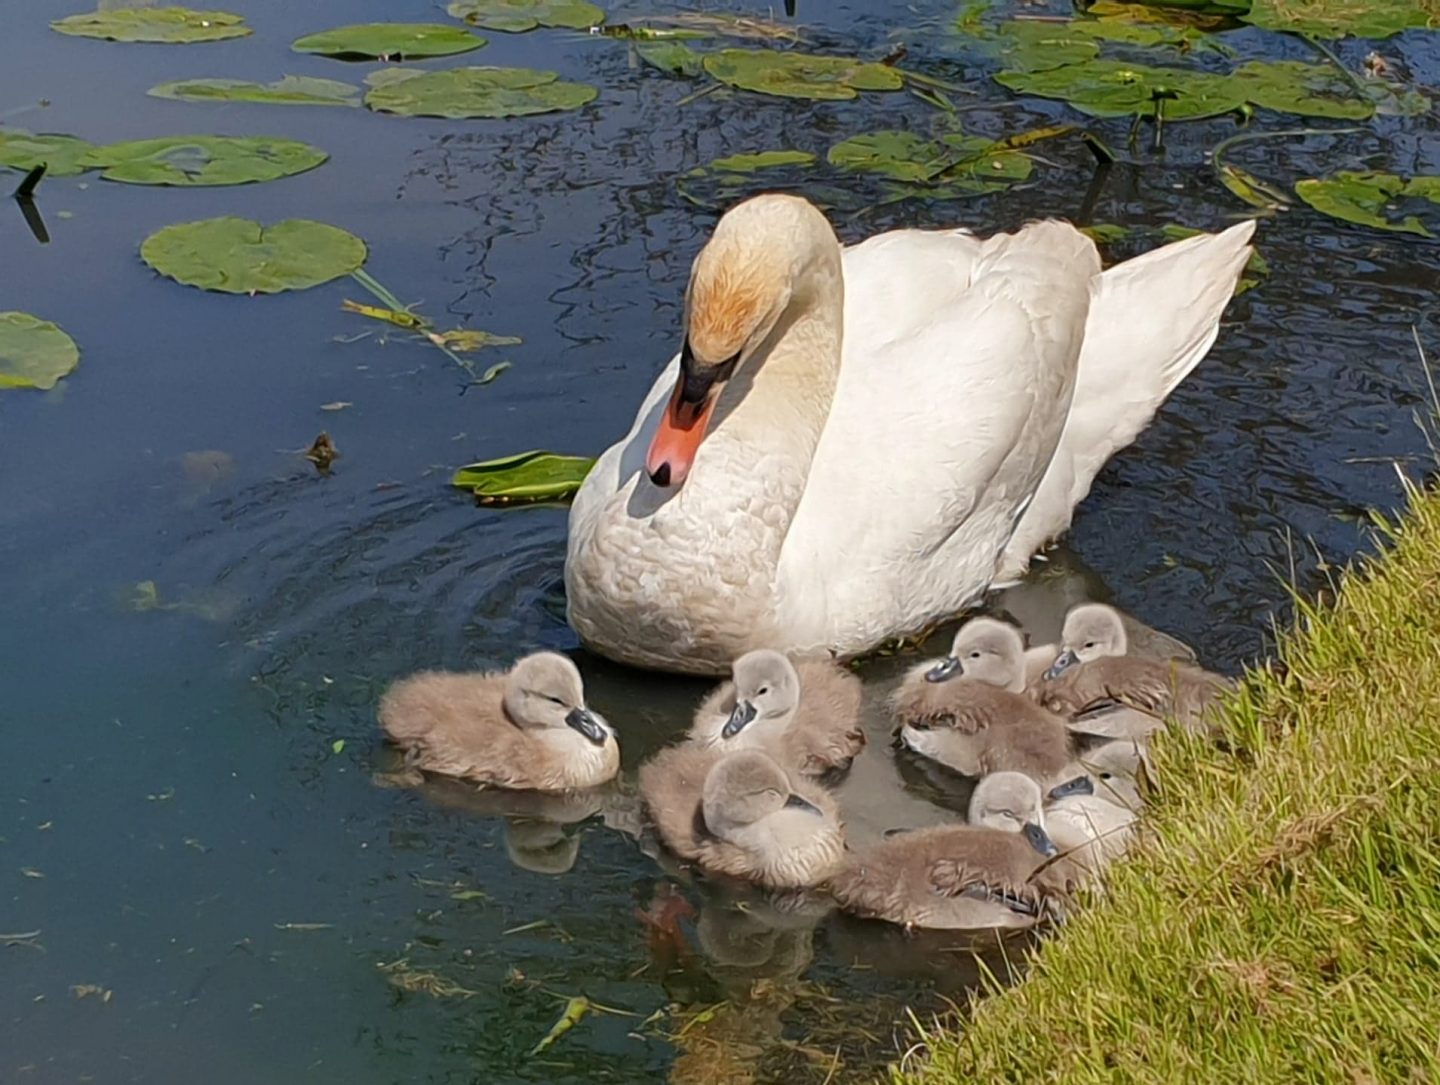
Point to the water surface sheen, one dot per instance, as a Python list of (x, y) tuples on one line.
[(176, 822)]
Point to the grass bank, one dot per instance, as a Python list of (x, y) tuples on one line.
[(1282, 923)]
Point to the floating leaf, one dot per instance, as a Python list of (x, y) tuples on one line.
[(170, 25), (1030, 45), (62, 155), (575, 1010), (515, 16), (401, 318), (389, 41), (238, 256), (528, 476), (761, 160), (967, 164), (461, 93), (338, 746), (290, 90), (1337, 18), (1292, 86), (493, 372), (34, 353), (674, 57), (1109, 88), (1371, 199), (204, 160), (799, 75), (468, 339), (1105, 233)]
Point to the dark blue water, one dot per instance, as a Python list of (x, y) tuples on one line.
[(175, 821)]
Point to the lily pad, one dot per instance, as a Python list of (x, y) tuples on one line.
[(1109, 88), (968, 164), (515, 16), (1337, 18), (674, 57), (528, 476), (1372, 199), (461, 93), (389, 41), (175, 26), (290, 90), (34, 353), (62, 155), (204, 160), (761, 160), (239, 256), (1038, 46), (799, 75), (1292, 86)]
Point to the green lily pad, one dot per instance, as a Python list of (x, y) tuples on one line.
[(290, 90), (516, 16), (966, 165), (761, 160), (204, 160), (1372, 199), (389, 41), (1337, 18), (528, 476), (176, 26), (238, 256), (1292, 86), (461, 93), (62, 155), (674, 57), (1030, 45), (1109, 88), (34, 353), (799, 75)]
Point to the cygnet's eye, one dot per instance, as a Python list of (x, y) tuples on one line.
[(1105, 776), (556, 700), (1089, 644), (975, 654), (762, 691)]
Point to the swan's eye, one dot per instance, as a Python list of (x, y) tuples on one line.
[(1105, 776), (975, 654), (762, 691), (1089, 644), (556, 700)]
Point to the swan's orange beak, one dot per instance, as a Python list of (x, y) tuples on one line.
[(682, 428)]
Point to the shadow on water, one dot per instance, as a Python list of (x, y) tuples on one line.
[(197, 626)]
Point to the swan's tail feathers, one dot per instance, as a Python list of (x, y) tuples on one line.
[(1152, 319)]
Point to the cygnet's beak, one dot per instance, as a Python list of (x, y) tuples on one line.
[(795, 802), (946, 669), (1040, 840), (588, 724), (1063, 662), (743, 714), (683, 424), (1081, 785)]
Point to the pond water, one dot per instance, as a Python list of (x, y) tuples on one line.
[(181, 825)]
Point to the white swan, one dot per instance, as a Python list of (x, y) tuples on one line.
[(855, 443)]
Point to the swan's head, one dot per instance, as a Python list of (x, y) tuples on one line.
[(1012, 803), (741, 283), (544, 690), (766, 688), (745, 788), (987, 649), (1091, 630)]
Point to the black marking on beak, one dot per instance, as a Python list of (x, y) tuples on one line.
[(946, 669), (795, 802), (588, 724), (1063, 662), (1040, 840), (742, 716), (1081, 785)]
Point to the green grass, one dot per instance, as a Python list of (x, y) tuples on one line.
[(1282, 922)]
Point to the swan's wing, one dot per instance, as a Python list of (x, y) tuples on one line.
[(957, 368), (1152, 320)]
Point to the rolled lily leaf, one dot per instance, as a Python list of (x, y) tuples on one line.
[(525, 477)]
